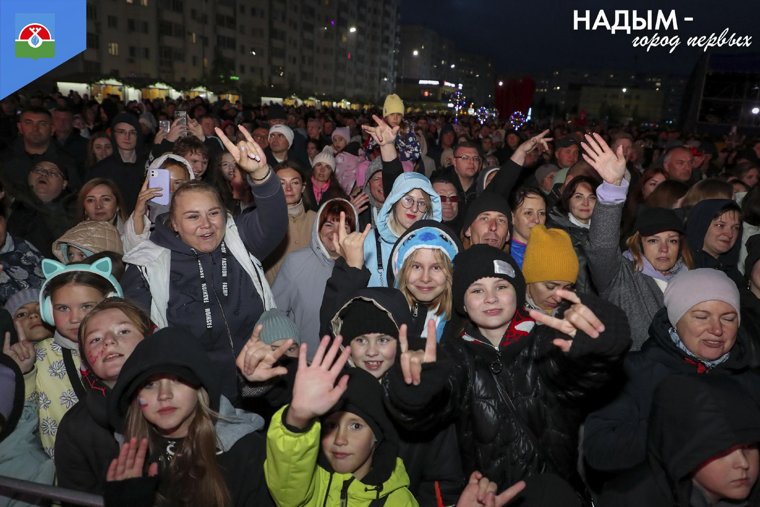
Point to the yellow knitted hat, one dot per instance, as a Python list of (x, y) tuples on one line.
[(549, 256), (393, 104)]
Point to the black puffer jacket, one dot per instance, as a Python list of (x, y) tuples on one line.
[(615, 435), (517, 408)]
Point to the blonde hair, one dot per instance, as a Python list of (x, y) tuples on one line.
[(194, 476), (634, 245), (443, 302)]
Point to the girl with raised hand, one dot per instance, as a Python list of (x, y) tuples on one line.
[(334, 444), (184, 443), (51, 367), (517, 392), (635, 279)]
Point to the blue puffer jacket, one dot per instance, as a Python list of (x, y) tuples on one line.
[(383, 236)]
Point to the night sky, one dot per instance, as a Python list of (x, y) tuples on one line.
[(525, 36)]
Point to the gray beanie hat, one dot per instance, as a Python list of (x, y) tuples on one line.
[(697, 286), (22, 297), (277, 326)]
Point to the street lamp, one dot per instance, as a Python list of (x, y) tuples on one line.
[(415, 53), (756, 110), (501, 83), (352, 29)]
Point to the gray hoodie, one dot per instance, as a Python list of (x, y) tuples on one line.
[(300, 284)]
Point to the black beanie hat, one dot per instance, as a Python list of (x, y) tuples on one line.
[(364, 397), (169, 351), (655, 220), (484, 261), (364, 317), (487, 201)]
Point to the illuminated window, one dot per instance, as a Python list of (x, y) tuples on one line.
[(113, 48)]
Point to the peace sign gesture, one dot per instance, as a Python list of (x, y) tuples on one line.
[(257, 360), (247, 154), (578, 316), (538, 141), (350, 246), (412, 360), (610, 165)]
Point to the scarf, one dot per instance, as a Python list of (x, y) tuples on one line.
[(319, 189), (519, 327), (692, 359), (649, 270), (296, 210)]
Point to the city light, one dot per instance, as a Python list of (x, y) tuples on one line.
[(352, 29), (755, 110), (453, 65), (625, 90), (415, 53), (501, 83)]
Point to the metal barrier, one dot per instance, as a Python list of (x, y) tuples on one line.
[(32, 489)]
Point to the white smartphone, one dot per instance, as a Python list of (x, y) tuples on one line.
[(160, 178)]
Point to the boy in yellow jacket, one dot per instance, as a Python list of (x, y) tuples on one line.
[(334, 444)]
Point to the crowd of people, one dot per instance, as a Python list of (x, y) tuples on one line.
[(378, 307)]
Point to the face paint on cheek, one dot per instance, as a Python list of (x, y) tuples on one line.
[(143, 403)]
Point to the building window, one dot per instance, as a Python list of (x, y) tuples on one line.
[(113, 22), (113, 48), (92, 12), (93, 41), (144, 3)]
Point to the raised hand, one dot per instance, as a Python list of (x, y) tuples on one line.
[(177, 130), (382, 134), (350, 246), (257, 360), (129, 464), (481, 492), (577, 317), (609, 164), (247, 154), (314, 390), (22, 352), (195, 128), (538, 141), (360, 202), (412, 360)]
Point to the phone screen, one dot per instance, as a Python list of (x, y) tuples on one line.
[(160, 178)]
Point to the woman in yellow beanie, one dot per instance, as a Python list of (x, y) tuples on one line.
[(550, 264)]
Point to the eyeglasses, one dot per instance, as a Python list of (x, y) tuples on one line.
[(125, 133), (453, 199), (467, 158), (408, 202), (48, 173)]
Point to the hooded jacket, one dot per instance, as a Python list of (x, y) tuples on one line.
[(377, 246), (694, 419), (240, 449), (90, 237), (297, 473), (167, 283), (130, 238), (430, 457), (518, 408), (699, 221), (128, 176), (615, 435), (300, 284)]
